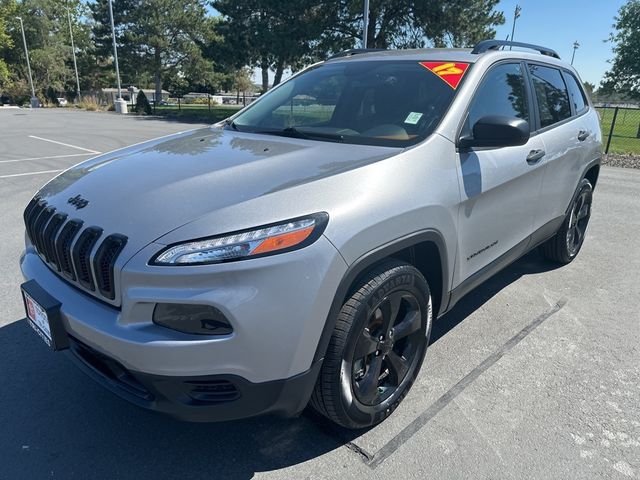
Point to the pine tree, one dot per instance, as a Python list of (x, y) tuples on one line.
[(143, 106)]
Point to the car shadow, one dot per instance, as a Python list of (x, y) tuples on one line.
[(55, 422), (531, 263)]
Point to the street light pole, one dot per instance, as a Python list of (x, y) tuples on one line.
[(365, 30), (35, 103), (576, 45), (73, 50), (120, 104), (516, 14)]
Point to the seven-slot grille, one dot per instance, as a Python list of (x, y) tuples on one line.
[(67, 248)]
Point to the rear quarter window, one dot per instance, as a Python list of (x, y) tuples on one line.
[(576, 93), (551, 94)]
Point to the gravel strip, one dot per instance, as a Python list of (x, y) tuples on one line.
[(619, 160)]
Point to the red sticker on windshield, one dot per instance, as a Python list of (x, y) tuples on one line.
[(450, 72)]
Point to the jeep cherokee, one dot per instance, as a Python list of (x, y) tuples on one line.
[(298, 252)]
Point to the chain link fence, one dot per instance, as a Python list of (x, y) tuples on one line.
[(620, 129)]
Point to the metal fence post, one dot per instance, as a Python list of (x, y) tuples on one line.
[(613, 124), (638, 134)]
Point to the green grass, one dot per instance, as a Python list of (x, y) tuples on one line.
[(197, 112), (625, 132), (298, 115)]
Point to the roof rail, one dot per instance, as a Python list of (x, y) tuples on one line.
[(355, 51), (496, 44)]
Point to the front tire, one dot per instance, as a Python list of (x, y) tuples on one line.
[(377, 347), (564, 246)]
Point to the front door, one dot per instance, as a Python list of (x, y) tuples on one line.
[(499, 187)]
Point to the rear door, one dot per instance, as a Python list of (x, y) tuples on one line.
[(500, 187), (561, 107)]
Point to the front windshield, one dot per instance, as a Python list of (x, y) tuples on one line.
[(392, 103)]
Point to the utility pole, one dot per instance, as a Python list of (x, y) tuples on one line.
[(516, 14), (120, 104), (576, 45), (73, 50), (365, 30), (35, 103)]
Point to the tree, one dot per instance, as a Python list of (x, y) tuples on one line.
[(157, 39), (590, 88), (624, 76), (272, 34), (7, 9), (241, 83), (47, 33), (142, 104), (416, 23), (102, 49)]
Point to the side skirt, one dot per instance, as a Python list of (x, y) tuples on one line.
[(545, 232)]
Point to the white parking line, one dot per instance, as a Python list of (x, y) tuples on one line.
[(64, 144), (29, 173), (46, 158)]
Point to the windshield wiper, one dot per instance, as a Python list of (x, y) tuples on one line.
[(230, 123), (296, 133)]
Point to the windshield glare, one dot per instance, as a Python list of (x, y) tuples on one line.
[(393, 103)]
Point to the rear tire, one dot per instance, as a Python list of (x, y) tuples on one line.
[(377, 347), (564, 246)]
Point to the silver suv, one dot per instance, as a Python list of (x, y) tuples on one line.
[(298, 252)]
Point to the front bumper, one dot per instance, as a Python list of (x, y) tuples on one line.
[(197, 399), (277, 306)]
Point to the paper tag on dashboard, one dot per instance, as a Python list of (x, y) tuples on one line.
[(413, 118)]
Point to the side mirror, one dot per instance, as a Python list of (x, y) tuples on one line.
[(497, 131)]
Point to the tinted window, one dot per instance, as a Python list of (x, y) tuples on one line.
[(502, 92), (395, 103), (576, 93), (551, 92)]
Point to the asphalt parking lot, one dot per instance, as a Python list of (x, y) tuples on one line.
[(536, 374)]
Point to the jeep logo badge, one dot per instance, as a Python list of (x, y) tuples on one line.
[(78, 202)]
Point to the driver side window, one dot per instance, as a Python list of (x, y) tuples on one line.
[(502, 92)]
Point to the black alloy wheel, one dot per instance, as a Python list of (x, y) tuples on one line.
[(564, 246), (387, 348), (377, 346)]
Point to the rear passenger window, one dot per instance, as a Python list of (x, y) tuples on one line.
[(552, 95), (502, 93), (576, 93)]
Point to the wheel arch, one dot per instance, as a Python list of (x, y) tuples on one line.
[(425, 250), (592, 174)]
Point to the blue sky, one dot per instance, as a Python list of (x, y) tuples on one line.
[(558, 23)]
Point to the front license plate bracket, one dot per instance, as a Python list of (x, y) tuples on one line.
[(59, 339)]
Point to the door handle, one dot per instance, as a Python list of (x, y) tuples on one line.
[(583, 135), (534, 156)]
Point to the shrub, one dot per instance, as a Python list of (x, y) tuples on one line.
[(89, 103), (142, 104), (51, 98)]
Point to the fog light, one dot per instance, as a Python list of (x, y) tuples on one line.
[(194, 319)]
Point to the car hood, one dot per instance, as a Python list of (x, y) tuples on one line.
[(147, 190)]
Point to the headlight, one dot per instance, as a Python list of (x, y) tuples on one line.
[(266, 240)]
